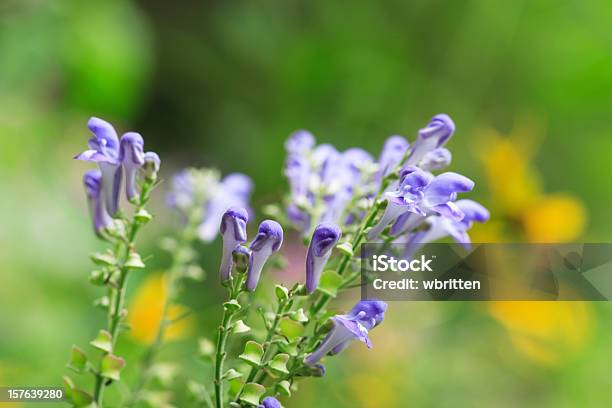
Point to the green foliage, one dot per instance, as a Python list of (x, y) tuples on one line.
[(253, 353)]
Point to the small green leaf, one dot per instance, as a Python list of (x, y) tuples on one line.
[(231, 374), (290, 328), (290, 348), (240, 327), (232, 305), (253, 353), (252, 393), (75, 396), (299, 316), (284, 388), (346, 248), (330, 282), (111, 366), (98, 277), (78, 360), (134, 261), (103, 341), (143, 216), (104, 259), (278, 364), (282, 293)]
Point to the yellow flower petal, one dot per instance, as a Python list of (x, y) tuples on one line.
[(554, 218), (146, 308)]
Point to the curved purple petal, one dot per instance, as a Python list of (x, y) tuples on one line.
[(324, 238), (268, 240)]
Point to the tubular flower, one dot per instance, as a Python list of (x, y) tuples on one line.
[(152, 164), (437, 159), (132, 158), (423, 194), (268, 240), (393, 151), (434, 135), (97, 207), (355, 325), (233, 230), (324, 238), (104, 150), (270, 402)]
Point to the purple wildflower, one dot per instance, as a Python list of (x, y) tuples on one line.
[(393, 151), (97, 207), (104, 150), (324, 238), (268, 240), (233, 230), (423, 194), (132, 157), (355, 325), (270, 402), (434, 135)]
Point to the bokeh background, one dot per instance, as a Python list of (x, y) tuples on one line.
[(219, 83)]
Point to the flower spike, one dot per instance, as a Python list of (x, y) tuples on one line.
[(132, 158), (268, 240), (324, 238), (233, 230)]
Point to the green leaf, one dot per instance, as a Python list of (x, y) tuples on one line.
[(290, 348), (78, 360), (143, 216), (299, 316), (240, 327), (75, 396), (98, 277), (252, 393), (278, 364), (104, 259), (282, 293), (232, 306), (330, 282), (290, 328), (346, 248), (103, 341), (231, 374), (284, 388), (111, 366), (253, 353), (134, 261)]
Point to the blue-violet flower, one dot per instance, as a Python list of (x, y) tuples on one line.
[(324, 238), (233, 230), (268, 240)]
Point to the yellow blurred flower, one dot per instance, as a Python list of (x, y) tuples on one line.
[(546, 332), (146, 309)]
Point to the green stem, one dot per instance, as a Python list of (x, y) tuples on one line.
[(115, 310)]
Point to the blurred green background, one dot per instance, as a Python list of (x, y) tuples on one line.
[(219, 83)]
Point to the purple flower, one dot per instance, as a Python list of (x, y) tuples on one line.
[(423, 194), (97, 207), (132, 158), (104, 150), (268, 240), (436, 159), (233, 230), (324, 238), (393, 151), (355, 325), (233, 191), (299, 142), (434, 135), (441, 227), (270, 402)]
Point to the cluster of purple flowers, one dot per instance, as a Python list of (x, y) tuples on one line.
[(324, 184), (114, 157), (212, 195)]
